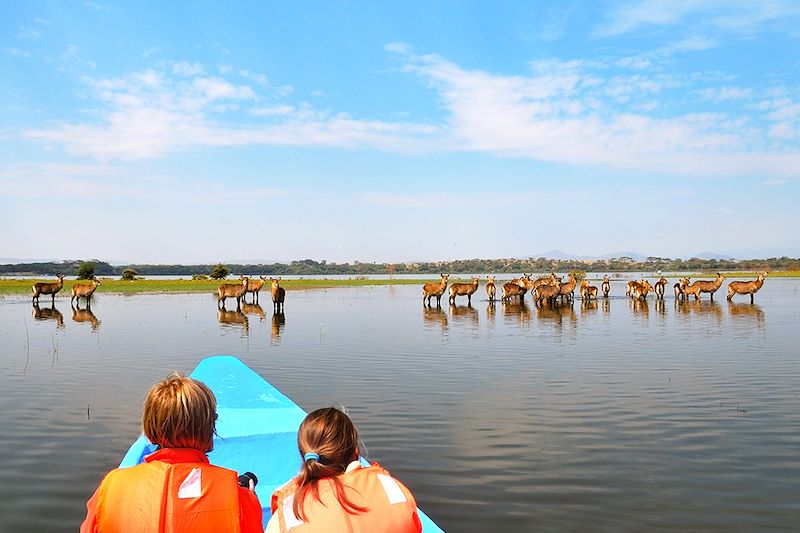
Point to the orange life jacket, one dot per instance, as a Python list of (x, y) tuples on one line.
[(159, 497), (390, 505)]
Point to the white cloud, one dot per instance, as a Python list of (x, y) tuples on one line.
[(16, 52), (562, 113), (150, 114), (731, 15), (184, 68), (773, 183), (24, 32)]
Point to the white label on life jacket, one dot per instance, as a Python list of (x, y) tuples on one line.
[(289, 517), (393, 490), (191, 486)]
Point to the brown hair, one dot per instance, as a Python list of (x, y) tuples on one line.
[(180, 412), (329, 433)]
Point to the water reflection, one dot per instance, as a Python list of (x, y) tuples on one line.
[(85, 315), (661, 308), (48, 313), (233, 319), (588, 307), (640, 308), (464, 315), (701, 308), (746, 312), (558, 315), (434, 317), (491, 312), (606, 306), (518, 311), (254, 310), (278, 322)]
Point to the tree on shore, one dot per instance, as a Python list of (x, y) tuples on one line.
[(85, 270), (220, 271)]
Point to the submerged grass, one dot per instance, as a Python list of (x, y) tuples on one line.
[(23, 286)]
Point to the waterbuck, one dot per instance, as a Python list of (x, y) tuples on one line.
[(47, 288), (606, 286), (701, 286), (464, 289), (232, 290), (567, 289), (658, 288), (254, 287), (746, 287), (278, 295), (514, 289), (549, 292), (588, 291), (430, 290), (80, 290), (490, 288)]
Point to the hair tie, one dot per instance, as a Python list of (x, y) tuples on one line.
[(311, 455)]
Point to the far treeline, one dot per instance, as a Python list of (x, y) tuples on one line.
[(309, 267)]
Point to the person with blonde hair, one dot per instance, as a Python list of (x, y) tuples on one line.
[(176, 489), (334, 491)]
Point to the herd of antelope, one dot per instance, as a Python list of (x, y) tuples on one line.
[(247, 285), (549, 289), (238, 291)]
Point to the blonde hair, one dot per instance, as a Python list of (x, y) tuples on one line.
[(329, 434), (180, 412)]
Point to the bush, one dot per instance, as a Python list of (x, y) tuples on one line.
[(578, 274), (199, 277), (220, 271), (129, 274), (85, 270)]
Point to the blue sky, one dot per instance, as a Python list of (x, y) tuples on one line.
[(201, 132)]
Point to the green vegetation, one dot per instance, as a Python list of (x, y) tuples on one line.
[(85, 270), (23, 286), (220, 271), (129, 274), (308, 267)]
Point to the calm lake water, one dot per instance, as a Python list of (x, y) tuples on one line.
[(608, 417)]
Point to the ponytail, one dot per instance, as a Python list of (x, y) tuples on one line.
[(328, 441)]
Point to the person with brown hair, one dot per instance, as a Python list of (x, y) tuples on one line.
[(334, 491), (176, 489)]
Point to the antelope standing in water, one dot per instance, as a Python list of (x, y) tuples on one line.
[(430, 290), (278, 295), (514, 289), (490, 288), (588, 291), (678, 288), (746, 287), (464, 289), (606, 286), (567, 289), (47, 288), (701, 286), (84, 291), (638, 289), (547, 291), (658, 288), (232, 290), (254, 287)]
